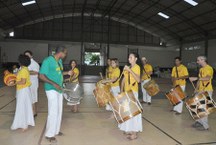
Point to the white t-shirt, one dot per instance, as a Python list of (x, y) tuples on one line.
[(34, 66)]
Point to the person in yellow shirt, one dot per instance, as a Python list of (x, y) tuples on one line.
[(114, 76), (109, 68), (179, 76), (108, 74), (146, 77), (24, 113), (130, 82), (204, 84), (114, 80), (74, 78)]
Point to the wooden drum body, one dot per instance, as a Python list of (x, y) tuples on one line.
[(125, 106), (102, 94), (151, 88), (200, 105), (10, 79), (175, 95)]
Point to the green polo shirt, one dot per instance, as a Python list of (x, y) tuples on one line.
[(53, 71)]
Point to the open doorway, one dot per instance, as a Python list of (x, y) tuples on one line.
[(92, 58)]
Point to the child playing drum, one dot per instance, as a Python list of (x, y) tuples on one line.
[(179, 75), (114, 78), (74, 78), (108, 74), (130, 82)]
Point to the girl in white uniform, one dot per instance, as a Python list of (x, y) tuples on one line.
[(23, 114), (130, 83)]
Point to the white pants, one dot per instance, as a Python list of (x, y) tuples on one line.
[(134, 124), (115, 91), (146, 96), (55, 107), (178, 108), (34, 90), (204, 120), (23, 114)]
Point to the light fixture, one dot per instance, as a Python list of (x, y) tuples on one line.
[(28, 2), (191, 2), (163, 15), (11, 34)]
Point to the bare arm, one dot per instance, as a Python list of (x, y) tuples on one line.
[(122, 84), (21, 82), (33, 73), (110, 80)]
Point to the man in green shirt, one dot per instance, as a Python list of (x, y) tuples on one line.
[(51, 73)]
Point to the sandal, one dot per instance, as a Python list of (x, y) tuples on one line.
[(132, 137), (60, 134), (51, 139)]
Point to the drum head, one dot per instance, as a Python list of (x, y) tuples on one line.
[(73, 92)]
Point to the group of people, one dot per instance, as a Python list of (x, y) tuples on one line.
[(203, 84), (27, 83), (52, 74), (140, 71)]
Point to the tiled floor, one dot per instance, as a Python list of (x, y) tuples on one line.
[(91, 126)]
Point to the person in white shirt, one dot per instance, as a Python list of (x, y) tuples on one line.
[(34, 69)]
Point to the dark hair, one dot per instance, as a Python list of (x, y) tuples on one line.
[(28, 51), (116, 61), (73, 60), (24, 60), (138, 62), (179, 58), (60, 49)]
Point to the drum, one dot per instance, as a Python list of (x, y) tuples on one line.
[(151, 88), (73, 93), (125, 106), (175, 95), (10, 79), (200, 105), (102, 93)]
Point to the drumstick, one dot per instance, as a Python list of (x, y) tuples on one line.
[(193, 85), (101, 75), (63, 89)]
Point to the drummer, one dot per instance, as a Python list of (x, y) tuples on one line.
[(74, 78), (109, 68), (108, 73), (146, 77), (204, 83), (130, 82), (179, 76), (114, 76)]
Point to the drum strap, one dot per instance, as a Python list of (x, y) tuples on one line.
[(203, 82), (146, 72), (177, 72)]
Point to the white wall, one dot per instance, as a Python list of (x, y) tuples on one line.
[(39, 49), (189, 56), (13, 49), (212, 52), (157, 56)]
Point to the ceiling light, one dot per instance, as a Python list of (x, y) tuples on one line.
[(191, 2), (28, 2), (11, 34), (163, 15)]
